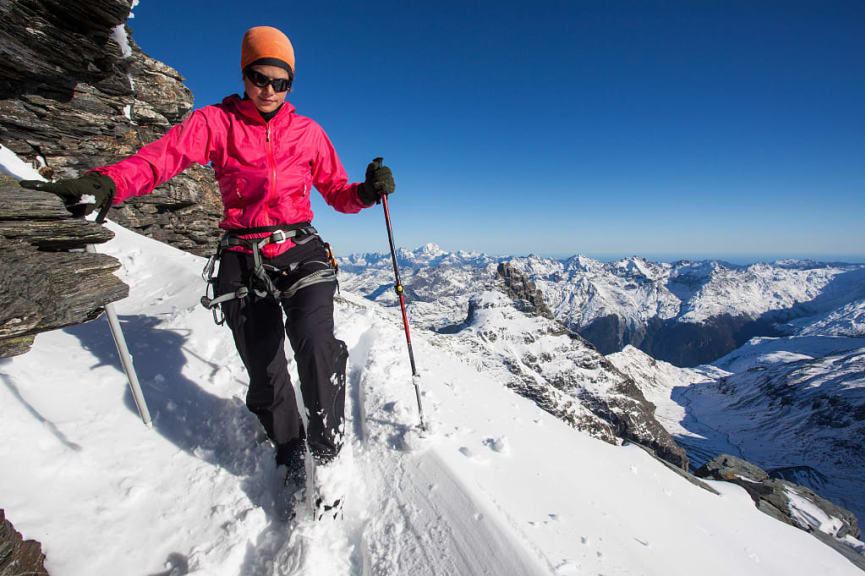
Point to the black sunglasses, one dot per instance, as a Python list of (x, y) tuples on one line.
[(260, 80)]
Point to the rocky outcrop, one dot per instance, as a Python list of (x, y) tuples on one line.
[(44, 286), (18, 556), (633, 417), (565, 375), (776, 496), (81, 94), (620, 404), (789, 503), (523, 290)]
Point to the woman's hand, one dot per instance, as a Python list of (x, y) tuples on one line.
[(379, 180), (74, 192)]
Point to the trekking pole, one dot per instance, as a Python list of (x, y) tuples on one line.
[(398, 287), (120, 342)]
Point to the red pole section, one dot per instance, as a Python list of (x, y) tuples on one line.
[(399, 291)]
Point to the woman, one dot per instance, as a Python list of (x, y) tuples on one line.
[(266, 158)]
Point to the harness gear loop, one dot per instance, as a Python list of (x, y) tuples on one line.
[(299, 233), (330, 257)]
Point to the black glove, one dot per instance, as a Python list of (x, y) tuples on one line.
[(379, 180), (99, 186)]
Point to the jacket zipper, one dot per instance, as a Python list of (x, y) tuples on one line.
[(272, 177)]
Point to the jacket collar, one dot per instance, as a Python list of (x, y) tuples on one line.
[(248, 110)]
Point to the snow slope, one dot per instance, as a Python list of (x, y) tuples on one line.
[(791, 405), (848, 320), (661, 384), (497, 487)]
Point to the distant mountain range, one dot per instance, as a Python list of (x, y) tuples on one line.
[(686, 313)]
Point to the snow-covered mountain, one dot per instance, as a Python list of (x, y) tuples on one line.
[(796, 297), (565, 376), (498, 486), (438, 284), (584, 290), (686, 313), (794, 406), (848, 320)]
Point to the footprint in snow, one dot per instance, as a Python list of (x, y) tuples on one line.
[(567, 567), (499, 445), (472, 455)]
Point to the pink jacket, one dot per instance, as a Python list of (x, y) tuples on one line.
[(265, 170)]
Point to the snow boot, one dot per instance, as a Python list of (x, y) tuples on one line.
[(295, 477), (330, 484), (292, 468)]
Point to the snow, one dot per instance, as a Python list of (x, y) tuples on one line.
[(808, 514), (849, 320), (781, 403), (497, 486), (118, 34), (11, 164)]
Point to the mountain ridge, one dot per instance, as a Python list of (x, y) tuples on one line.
[(687, 312)]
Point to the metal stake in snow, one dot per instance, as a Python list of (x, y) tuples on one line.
[(398, 287), (120, 342)]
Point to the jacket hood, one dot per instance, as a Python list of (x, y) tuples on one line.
[(247, 109)]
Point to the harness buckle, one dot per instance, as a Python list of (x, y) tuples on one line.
[(278, 237)]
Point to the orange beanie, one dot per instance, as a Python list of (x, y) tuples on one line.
[(266, 42)]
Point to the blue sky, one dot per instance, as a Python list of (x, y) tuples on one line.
[(664, 129)]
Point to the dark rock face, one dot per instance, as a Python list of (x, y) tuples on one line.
[(43, 286), (777, 498), (53, 43), (18, 556), (732, 469), (682, 344), (72, 101), (523, 290), (634, 419), (608, 334)]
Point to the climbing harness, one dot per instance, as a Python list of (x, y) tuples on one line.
[(260, 282)]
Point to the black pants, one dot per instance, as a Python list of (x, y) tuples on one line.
[(259, 334)]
